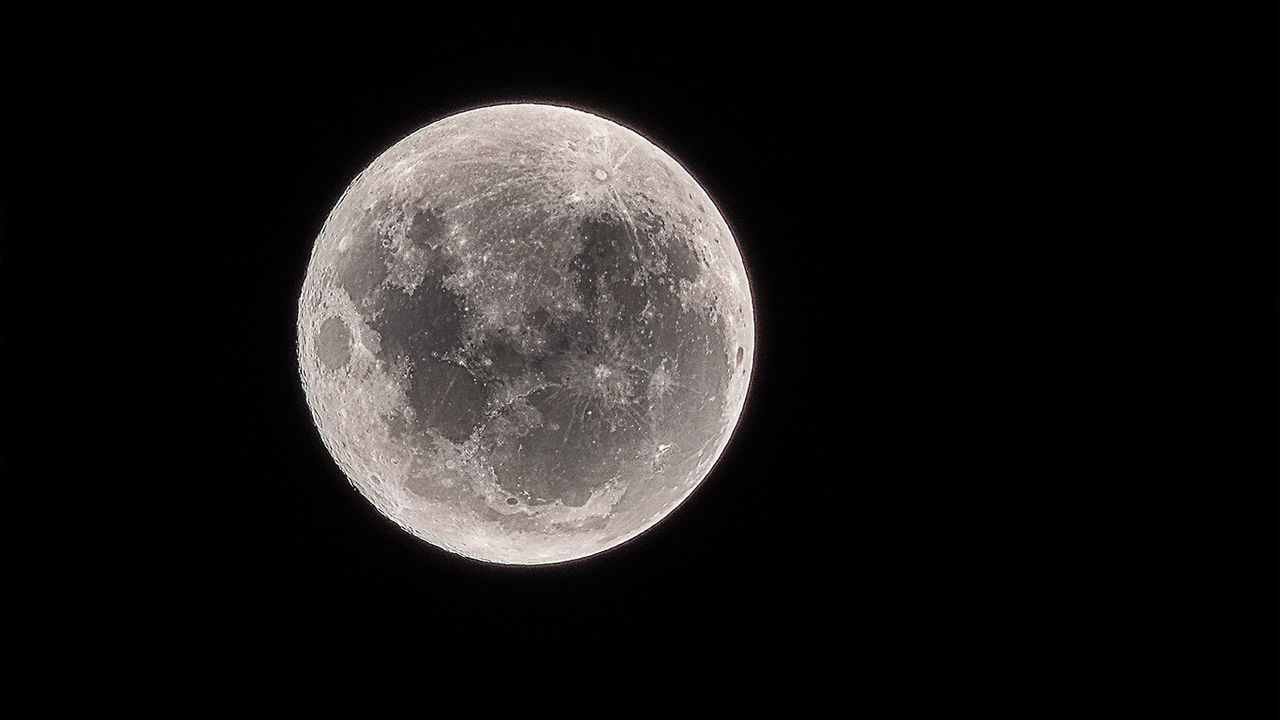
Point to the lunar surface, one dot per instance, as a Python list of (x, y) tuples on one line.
[(525, 334)]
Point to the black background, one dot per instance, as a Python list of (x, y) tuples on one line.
[(173, 524)]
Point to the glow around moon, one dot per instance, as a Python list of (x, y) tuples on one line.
[(525, 334)]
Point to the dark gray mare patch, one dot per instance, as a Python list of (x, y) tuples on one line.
[(333, 344)]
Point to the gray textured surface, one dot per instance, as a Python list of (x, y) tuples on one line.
[(525, 334)]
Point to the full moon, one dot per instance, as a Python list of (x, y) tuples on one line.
[(525, 334)]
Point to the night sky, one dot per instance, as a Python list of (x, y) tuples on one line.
[(175, 533)]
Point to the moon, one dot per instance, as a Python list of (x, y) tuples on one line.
[(526, 334)]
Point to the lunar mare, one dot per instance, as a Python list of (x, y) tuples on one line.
[(525, 334)]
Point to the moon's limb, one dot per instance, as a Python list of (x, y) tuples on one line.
[(525, 333)]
